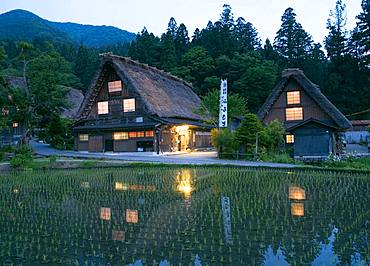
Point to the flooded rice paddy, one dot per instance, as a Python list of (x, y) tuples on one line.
[(184, 216)]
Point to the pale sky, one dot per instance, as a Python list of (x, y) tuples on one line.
[(133, 15)]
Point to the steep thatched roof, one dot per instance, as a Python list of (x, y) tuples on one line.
[(74, 98), (16, 82), (311, 89), (163, 95)]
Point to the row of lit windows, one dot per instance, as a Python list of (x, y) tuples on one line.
[(293, 113), (128, 106), (122, 135), (132, 134)]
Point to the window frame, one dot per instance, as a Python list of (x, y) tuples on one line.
[(293, 98), (129, 110), (289, 139), (115, 89), (83, 139), (119, 136), (103, 102), (294, 117)]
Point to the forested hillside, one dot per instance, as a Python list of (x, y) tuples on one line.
[(228, 48), (231, 48), (22, 25)]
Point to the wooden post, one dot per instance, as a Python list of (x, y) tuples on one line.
[(256, 149)]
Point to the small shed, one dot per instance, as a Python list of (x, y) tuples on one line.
[(313, 139)]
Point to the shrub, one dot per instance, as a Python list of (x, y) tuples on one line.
[(23, 158), (223, 140), (246, 134), (59, 133), (272, 137)]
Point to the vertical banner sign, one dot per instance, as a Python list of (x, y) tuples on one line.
[(226, 215), (223, 105)]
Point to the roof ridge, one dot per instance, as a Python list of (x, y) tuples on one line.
[(146, 66)]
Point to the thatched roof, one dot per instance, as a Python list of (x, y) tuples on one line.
[(163, 94), (16, 82), (311, 89), (74, 98)]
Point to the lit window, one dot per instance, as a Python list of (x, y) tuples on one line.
[(103, 108), (289, 139), (141, 134), (120, 135), (149, 133), (105, 214), (132, 134), (293, 97), (114, 86), (294, 113), (129, 105), (15, 125), (139, 119), (297, 209), (132, 216), (84, 137)]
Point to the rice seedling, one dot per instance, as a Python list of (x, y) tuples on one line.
[(174, 215)]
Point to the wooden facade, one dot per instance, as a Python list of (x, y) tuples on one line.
[(133, 107), (311, 121)]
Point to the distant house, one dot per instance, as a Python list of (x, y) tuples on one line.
[(358, 132), (311, 121), (134, 107), (11, 135)]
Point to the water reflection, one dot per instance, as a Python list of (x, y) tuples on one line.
[(297, 209), (132, 216), (120, 220), (120, 186), (118, 235), (184, 183), (297, 193), (105, 214)]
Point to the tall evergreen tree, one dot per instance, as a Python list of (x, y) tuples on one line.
[(181, 41), (146, 48), (361, 35), (246, 35), (335, 42), (292, 41)]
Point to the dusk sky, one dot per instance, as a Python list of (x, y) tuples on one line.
[(134, 15)]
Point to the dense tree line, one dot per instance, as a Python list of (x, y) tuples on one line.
[(228, 48), (231, 48)]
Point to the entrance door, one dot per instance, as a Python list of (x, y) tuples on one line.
[(108, 145), (95, 143), (182, 143)]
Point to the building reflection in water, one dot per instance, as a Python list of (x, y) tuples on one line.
[(134, 187), (297, 209), (85, 185), (105, 214), (120, 186), (118, 235), (184, 183), (132, 216), (298, 195)]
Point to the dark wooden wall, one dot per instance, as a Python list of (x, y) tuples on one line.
[(310, 108)]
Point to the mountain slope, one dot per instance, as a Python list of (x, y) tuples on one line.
[(93, 36), (23, 25)]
